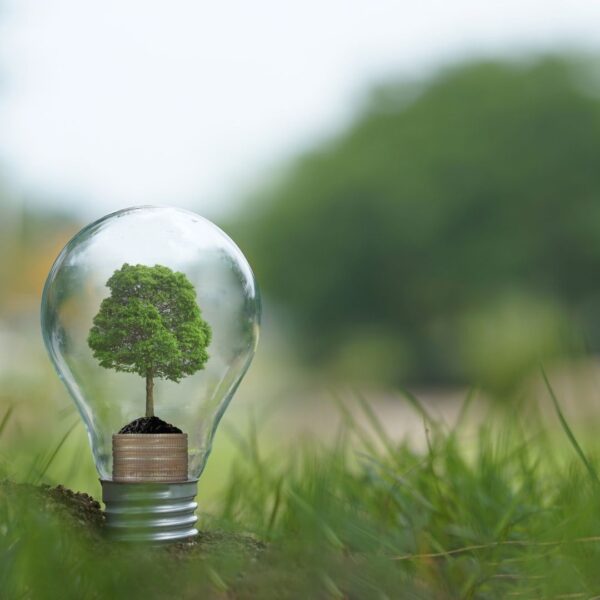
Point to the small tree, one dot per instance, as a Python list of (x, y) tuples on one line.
[(150, 325)]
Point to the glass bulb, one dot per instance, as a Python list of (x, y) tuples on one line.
[(111, 393)]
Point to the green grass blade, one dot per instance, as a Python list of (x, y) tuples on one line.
[(353, 426), (418, 406), (6, 418), (464, 408), (567, 430), (376, 423), (56, 450)]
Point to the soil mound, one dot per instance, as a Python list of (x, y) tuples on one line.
[(149, 425)]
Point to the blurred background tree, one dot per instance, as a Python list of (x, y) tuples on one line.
[(450, 235)]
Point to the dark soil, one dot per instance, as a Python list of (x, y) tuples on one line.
[(85, 515), (80, 510), (150, 425)]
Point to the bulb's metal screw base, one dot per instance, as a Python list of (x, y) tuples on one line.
[(150, 512)]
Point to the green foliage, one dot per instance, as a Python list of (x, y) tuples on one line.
[(150, 324), (441, 200), (499, 514)]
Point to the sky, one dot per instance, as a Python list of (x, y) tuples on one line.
[(113, 103)]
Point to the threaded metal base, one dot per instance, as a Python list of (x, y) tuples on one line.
[(150, 512)]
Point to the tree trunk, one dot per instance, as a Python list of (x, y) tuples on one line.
[(149, 393)]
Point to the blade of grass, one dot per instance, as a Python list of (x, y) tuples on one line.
[(353, 426), (276, 506), (418, 406), (6, 417), (376, 424), (314, 514), (464, 409), (567, 430), (402, 482), (56, 450)]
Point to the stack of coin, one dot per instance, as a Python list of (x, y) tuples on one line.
[(145, 457)]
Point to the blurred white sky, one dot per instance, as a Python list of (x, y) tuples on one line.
[(121, 102)]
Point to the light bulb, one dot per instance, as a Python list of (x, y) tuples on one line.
[(151, 310)]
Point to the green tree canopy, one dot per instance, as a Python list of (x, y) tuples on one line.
[(150, 325), (439, 209)]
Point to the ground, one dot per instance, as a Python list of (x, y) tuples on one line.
[(84, 514), (499, 510)]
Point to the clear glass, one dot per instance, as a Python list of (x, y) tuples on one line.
[(227, 296)]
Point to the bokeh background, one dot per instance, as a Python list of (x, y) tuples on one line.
[(417, 187)]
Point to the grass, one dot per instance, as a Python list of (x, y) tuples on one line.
[(495, 514)]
